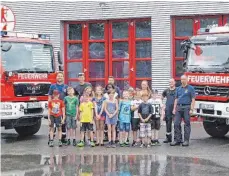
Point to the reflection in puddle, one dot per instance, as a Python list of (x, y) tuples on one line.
[(107, 165)]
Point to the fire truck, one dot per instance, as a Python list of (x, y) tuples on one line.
[(27, 70), (206, 65)]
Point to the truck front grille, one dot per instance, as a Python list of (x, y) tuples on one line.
[(31, 89), (212, 91)]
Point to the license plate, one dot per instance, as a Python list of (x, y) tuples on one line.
[(207, 106), (33, 105)]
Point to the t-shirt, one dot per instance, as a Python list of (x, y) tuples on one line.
[(136, 103), (62, 89), (99, 103), (125, 111), (86, 112), (56, 107), (71, 104), (80, 88), (170, 97), (145, 109), (156, 105)]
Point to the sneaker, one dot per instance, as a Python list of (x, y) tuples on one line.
[(157, 142), (92, 144), (80, 144), (74, 142), (109, 145), (113, 145), (148, 146), (122, 145), (64, 141), (51, 144), (68, 142), (142, 145), (135, 144), (60, 143), (127, 144), (153, 143)]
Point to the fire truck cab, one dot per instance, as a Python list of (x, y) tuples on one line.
[(207, 68), (27, 70)]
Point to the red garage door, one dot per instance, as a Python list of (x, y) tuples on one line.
[(185, 27), (119, 48)]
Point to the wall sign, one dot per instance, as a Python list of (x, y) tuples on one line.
[(8, 20)]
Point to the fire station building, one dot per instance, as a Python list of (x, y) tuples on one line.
[(132, 41)]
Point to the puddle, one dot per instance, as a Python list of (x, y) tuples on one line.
[(108, 165)]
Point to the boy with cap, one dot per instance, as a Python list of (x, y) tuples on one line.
[(56, 115)]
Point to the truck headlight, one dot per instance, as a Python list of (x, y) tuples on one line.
[(6, 106)]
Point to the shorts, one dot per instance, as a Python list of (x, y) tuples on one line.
[(145, 130), (111, 121), (86, 126), (124, 127), (71, 122), (156, 124), (56, 121), (135, 124)]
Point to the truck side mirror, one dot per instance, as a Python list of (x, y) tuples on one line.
[(59, 58), (61, 68)]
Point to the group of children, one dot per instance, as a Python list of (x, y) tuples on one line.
[(138, 111)]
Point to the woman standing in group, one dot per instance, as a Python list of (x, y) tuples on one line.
[(145, 89)]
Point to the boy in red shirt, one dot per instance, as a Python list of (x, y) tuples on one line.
[(56, 114)]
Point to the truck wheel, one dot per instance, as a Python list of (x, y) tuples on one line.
[(28, 130), (215, 130)]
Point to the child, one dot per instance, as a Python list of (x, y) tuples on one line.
[(56, 110), (71, 109), (99, 114), (111, 109), (124, 118), (145, 113), (135, 120), (156, 104), (86, 121)]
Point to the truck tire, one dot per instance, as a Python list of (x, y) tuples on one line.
[(215, 130), (28, 130)]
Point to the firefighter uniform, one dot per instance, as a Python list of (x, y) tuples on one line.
[(184, 96), (169, 94)]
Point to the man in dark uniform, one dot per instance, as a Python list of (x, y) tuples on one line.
[(183, 108), (79, 89), (169, 94), (62, 89)]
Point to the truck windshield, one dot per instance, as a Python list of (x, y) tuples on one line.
[(209, 56), (28, 57)]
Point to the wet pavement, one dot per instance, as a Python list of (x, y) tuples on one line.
[(112, 165), (32, 157)]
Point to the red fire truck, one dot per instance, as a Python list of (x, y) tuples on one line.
[(27, 70), (207, 68)]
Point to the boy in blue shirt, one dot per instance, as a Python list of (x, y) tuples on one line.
[(124, 118)]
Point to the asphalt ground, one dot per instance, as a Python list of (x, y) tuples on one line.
[(32, 156)]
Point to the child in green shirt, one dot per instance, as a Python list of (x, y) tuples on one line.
[(71, 105)]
